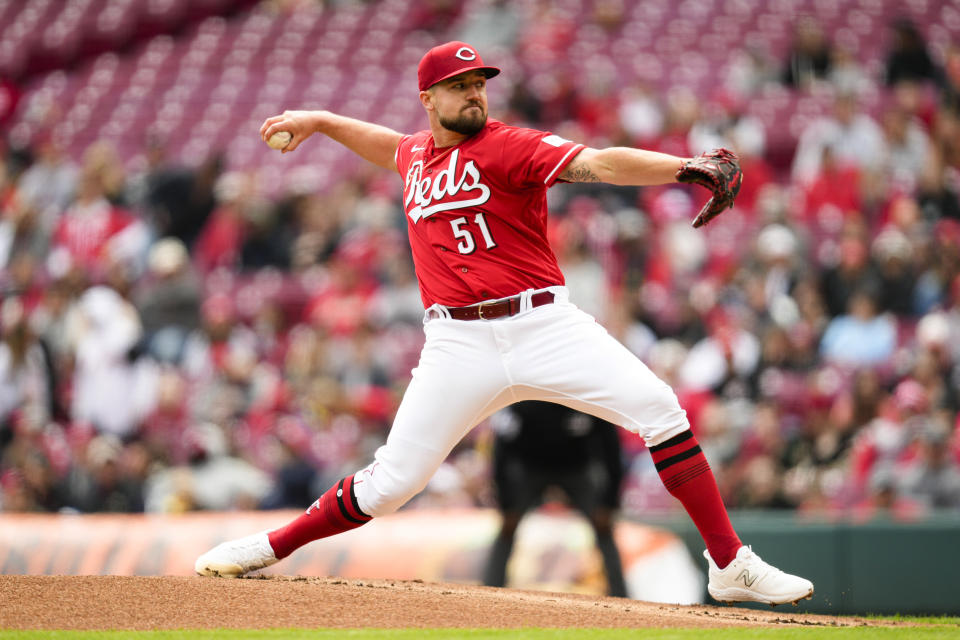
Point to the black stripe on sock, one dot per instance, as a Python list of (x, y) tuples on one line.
[(356, 505), (677, 439), (680, 457), (684, 476), (343, 508), (688, 472)]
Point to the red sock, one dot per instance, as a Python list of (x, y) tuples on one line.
[(334, 512), (686, 474)]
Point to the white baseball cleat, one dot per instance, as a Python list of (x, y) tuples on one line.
[(237, 557), (749, 579)]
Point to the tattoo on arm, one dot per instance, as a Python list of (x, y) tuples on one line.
[(579, 172)]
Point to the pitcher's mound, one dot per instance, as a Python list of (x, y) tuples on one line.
[(118, 602)]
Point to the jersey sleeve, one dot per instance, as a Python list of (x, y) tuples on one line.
[(538, 157), (402, 155)]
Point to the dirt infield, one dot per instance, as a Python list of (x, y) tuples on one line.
[(117, 602)]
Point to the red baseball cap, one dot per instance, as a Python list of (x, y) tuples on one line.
[(447, 60)]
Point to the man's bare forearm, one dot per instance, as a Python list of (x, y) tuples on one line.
[(622, 166), (372, 142)]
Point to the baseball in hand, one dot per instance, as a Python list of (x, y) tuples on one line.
[(280, 139)]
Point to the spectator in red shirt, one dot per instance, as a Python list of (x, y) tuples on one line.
[(221, 238), (89, 230), (832, 195)]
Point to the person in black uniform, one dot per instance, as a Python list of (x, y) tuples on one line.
[(542, 445)]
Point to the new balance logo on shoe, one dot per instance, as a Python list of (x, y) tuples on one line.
[(748, 579)]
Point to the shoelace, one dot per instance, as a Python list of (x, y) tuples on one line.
[(750, 556)]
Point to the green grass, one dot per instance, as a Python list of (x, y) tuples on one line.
[(851, 633), (951, 620)]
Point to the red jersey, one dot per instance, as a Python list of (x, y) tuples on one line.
[(477, 212), (85, 231)]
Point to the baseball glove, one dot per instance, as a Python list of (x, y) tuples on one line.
[(719, 171)]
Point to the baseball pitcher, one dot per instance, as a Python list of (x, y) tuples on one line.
[(499, 325)]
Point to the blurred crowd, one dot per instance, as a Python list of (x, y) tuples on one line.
[(172, 339)]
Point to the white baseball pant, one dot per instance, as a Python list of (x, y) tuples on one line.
[(470, 369)]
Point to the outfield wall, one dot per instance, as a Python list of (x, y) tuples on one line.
[(857, 567)]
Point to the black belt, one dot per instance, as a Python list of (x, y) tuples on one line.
[(498, 309)]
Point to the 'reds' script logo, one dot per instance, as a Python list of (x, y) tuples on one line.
[(427, 193)]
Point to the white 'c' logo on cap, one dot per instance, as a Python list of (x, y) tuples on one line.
[(466, 53)]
